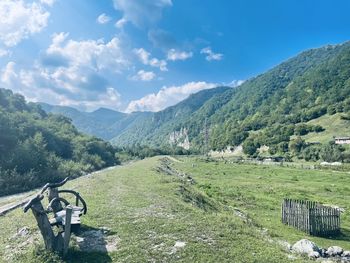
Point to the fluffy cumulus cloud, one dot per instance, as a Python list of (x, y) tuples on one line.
[(142, 13), (96, 55), (71, 73), (19, 20), (146, 59), (167, 96), (178, 55), (144, 75), (210, 55), (103, 19)]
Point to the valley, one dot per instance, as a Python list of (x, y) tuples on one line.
[(174, 131), (187, 209), (303, 101)]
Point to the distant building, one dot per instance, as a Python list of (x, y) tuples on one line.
[(342, 140)]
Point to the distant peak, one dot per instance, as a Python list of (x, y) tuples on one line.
[(102, 109)]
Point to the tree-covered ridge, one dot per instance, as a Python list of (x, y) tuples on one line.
[(102, 123), (36, 147), (282, 105), (155, 128), (270, 109)]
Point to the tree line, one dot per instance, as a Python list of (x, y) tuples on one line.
[(36, 147)]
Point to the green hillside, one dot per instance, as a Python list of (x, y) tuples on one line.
[(144, 128), (36, 147), (266, 110), (155, 129), (272, 110), (334, 126)]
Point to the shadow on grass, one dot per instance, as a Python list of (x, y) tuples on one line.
[(91, 245), (76, 256), (344, 235)]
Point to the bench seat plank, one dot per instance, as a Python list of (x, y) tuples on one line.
[(60, 217)]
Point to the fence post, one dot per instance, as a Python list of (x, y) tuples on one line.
[(67, 228)]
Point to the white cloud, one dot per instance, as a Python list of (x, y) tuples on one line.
[(94, 54), (234, 83), (145, 58), (110, 98), (48, 2), (178, 55), (142, 13), (144, 75), (8, 74), (19, 20), (4, 52), (120, 23), (210, 55), (71, 73), (103, 19), (167, 96), (41, 86)]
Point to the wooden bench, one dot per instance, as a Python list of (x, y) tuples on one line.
[(65, 215)]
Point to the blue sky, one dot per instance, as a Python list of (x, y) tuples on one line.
[(132, 55)]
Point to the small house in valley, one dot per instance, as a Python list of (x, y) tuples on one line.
[(342, 140)]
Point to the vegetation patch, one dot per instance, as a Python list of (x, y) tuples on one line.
[(197, 198)]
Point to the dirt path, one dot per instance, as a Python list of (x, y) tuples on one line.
[(11, 202), (15, 197)]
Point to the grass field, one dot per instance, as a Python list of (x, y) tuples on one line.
[(154, 213)]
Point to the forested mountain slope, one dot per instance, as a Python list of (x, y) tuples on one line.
[(127, 129), (103, 123), (36, 147), (156, 129), (267, 109), (272, 109)]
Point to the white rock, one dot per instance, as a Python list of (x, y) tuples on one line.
[(334, 251), (24, 231), (79, 239), (304, 246), (346, 253), (180, 244), (314, 254)]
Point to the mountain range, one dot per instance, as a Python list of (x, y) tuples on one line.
[(123, 128), (269, 109)]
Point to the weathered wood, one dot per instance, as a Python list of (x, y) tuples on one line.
[(311, 217), (53, 194), (60, 217), (67, 228), (64, 217), (78, 199), (44, 226)]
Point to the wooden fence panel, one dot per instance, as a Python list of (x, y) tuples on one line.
[(311, 217)]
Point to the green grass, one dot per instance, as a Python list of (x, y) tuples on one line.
[(149, 212), (333, 125), (259, 190)]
